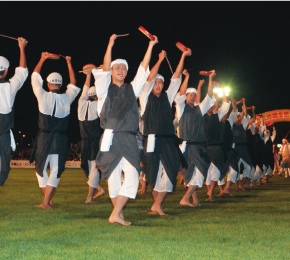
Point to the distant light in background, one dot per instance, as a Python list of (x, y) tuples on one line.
[(23, 136)]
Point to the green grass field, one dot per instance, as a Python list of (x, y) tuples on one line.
[(253, 225)]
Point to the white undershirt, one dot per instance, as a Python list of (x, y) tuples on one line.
[(47, 100), (204, 106), (103, 81), (171, 92), (85, 105), (8, 90)]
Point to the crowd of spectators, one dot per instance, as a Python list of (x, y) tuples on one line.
[(25, 154)]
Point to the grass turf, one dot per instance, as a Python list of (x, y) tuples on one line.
[(253, 225)]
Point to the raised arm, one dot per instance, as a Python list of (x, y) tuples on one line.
[(88, 78), (210, 86), (254, 114), (108, 54), (156, 67), (198, 95), (72, 76), (147, 57), (22, 44), (244, 107), (180, 65), (184, 85), (43, 58), (216, 106)]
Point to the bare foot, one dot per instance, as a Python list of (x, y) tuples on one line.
[(39, 205), (241, 188), (90, 201), (46, 206), (209, 199), (142, 190), (186, 203), (99, 194), (118, 220), (152, 213), (221, 194), (158, 210), (196, 204), (227, 193)]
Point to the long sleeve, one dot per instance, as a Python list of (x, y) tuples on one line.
[(206, 104), (246, 121), (173, 88), (102, 83), (180, 105), (223, 109), (145, 94), (232, 118), (139, 80)]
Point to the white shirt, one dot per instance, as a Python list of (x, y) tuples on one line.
[(47, 100), (204, 106), (103, 81), (171, 91), (85, 105), (246, 121), (232, 118), (267, 136), (225, 107), (8, 90)]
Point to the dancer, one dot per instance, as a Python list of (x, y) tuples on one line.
[(240, 144), (162, 158), (230, 153), (91, 132), (50, 146), (119, 119), (8, 91), (190, 113), (213, 139)]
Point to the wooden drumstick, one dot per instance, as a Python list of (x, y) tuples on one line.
[(169, 64), (62, 56), (120, 35), (8, 37), (88, 69)]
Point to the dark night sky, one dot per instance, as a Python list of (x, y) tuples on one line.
[(247, 43)]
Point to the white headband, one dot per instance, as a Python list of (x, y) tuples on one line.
[(158, 76), (54, 78), (4, 63), (120, 61), (191, 90)]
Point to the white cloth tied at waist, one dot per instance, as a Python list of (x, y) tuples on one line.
[(182, 146), (13, 145), (150, 143), (107, 140)]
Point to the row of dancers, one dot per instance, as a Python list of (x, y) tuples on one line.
[(119, 139)]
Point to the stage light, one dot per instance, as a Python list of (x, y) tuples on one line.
[(215, 90), (23, 136)]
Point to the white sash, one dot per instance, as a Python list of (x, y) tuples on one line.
[(107, 140), (150, 143)]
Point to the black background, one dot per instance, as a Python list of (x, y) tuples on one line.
[(247, 43)]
